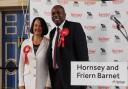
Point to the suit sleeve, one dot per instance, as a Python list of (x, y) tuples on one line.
[(80, 43), (21, 68)]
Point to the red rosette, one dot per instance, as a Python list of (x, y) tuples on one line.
[(26, 50), (63, 33)]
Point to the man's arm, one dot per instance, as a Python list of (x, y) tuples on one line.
[(80, 43)]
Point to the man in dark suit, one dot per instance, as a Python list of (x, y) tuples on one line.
[(69, 46)]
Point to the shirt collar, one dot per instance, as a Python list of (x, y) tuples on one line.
[(62, 24)]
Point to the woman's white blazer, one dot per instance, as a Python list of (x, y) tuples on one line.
[(34, 75)]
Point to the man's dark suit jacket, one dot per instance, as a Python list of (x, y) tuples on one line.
[(75, 49)]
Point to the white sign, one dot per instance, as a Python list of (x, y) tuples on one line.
[(99, 73)]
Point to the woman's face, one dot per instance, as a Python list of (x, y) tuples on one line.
[(37, 29)]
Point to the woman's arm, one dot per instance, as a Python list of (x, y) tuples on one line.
[(21, 69), (48, 83)]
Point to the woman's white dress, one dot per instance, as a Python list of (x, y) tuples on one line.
[(34, 75)]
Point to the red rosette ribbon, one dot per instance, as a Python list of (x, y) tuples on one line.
[(63, 33), (26, 50)]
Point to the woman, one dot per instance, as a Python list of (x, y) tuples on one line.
[(33, 68)]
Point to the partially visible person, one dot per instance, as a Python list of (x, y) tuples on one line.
[(33, 67), (67, 43)]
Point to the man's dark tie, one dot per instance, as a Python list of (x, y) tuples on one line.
[(55, 66)]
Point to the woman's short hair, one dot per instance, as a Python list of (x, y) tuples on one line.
[(43, 25)]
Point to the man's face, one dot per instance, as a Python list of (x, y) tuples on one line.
[(58, 15)]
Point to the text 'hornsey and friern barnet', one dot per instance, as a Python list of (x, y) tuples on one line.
[(100, 72)]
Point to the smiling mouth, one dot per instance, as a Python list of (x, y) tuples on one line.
[(56, 19)]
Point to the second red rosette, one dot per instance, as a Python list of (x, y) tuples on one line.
[(63, 33)]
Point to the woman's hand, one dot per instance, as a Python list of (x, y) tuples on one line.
[(21, 87)]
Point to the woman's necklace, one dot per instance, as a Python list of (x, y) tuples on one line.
[(37, 41)]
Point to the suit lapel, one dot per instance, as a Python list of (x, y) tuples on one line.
[(51, 36), (31, 45), (66, 24)]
